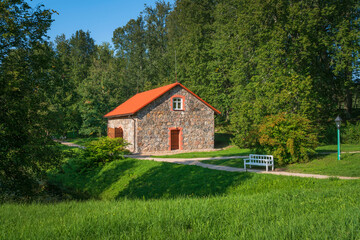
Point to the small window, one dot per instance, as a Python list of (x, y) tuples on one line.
[(177, 104)]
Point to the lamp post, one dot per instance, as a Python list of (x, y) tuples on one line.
[(338, 124)]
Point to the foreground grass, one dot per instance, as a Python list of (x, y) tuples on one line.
[(157, 200), (319, 209)]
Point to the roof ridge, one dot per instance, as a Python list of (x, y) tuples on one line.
[(140, 100)]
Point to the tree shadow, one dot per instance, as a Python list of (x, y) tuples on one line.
[(222, 140), (103, 177), (84, 183), (175, 180)]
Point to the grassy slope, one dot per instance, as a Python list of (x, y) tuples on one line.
[(188, 202)]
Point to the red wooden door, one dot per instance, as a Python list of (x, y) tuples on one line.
[(175, 139), (118, 132), (111, 132)]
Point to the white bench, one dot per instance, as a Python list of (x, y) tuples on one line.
[(259, 160)]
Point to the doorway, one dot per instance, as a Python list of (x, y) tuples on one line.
[(174, 139)]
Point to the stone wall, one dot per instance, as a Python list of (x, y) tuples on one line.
[(154, 121), (127, 124)]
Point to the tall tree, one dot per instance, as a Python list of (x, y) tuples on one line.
[(27, 81), (289, 54), (75, 59), (160, 62), (191, 34), (101, 91), (129, 43)]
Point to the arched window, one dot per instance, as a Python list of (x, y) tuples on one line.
[(119, 132)]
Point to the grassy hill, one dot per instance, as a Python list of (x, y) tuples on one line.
[(138, 199)]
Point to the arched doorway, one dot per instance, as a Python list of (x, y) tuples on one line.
[(119, 132)]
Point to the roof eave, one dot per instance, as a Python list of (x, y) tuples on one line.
[(119, 115)]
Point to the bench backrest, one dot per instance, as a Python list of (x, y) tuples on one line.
[(261, 157)]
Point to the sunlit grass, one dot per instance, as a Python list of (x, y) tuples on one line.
[(231, 151), (349, 165), (140, 199), (344, 148), (81, 141)]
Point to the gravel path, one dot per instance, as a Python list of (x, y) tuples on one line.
[(69, 144), (196, 162)]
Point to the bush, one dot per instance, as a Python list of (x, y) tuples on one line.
[(105, 150), (328, 134), (289, 138), (351, 133)]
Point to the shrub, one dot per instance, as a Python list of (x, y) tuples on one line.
[(289, 138), (351, 133), (105, 150), (328, 134)]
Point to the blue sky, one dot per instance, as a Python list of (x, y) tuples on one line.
[(100, 17)]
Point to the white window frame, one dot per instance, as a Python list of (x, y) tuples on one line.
[(177, 104)]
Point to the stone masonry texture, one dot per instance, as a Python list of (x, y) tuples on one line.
[(127, 124), (152, 124)]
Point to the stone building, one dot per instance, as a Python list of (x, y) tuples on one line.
[(164, 119)]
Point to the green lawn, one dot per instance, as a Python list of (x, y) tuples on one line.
[(238, 163), (81, 141), (349, 165), (344, 148), (230, 151), (156, 200)]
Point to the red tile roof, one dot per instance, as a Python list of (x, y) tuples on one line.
[(140, 100)]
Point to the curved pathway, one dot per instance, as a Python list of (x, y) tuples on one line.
[(69, 144), (196, 162)]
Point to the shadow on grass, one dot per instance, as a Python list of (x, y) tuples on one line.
[(222, 140), (173, 180), (104, 177), (84, 183)]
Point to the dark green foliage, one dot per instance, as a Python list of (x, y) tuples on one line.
[(328, 133), (142, 44), (104, 150), (351, 133), (28, 108), (101, 91), (76, 55), (21, 26), (248, 60), (290, 138)]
